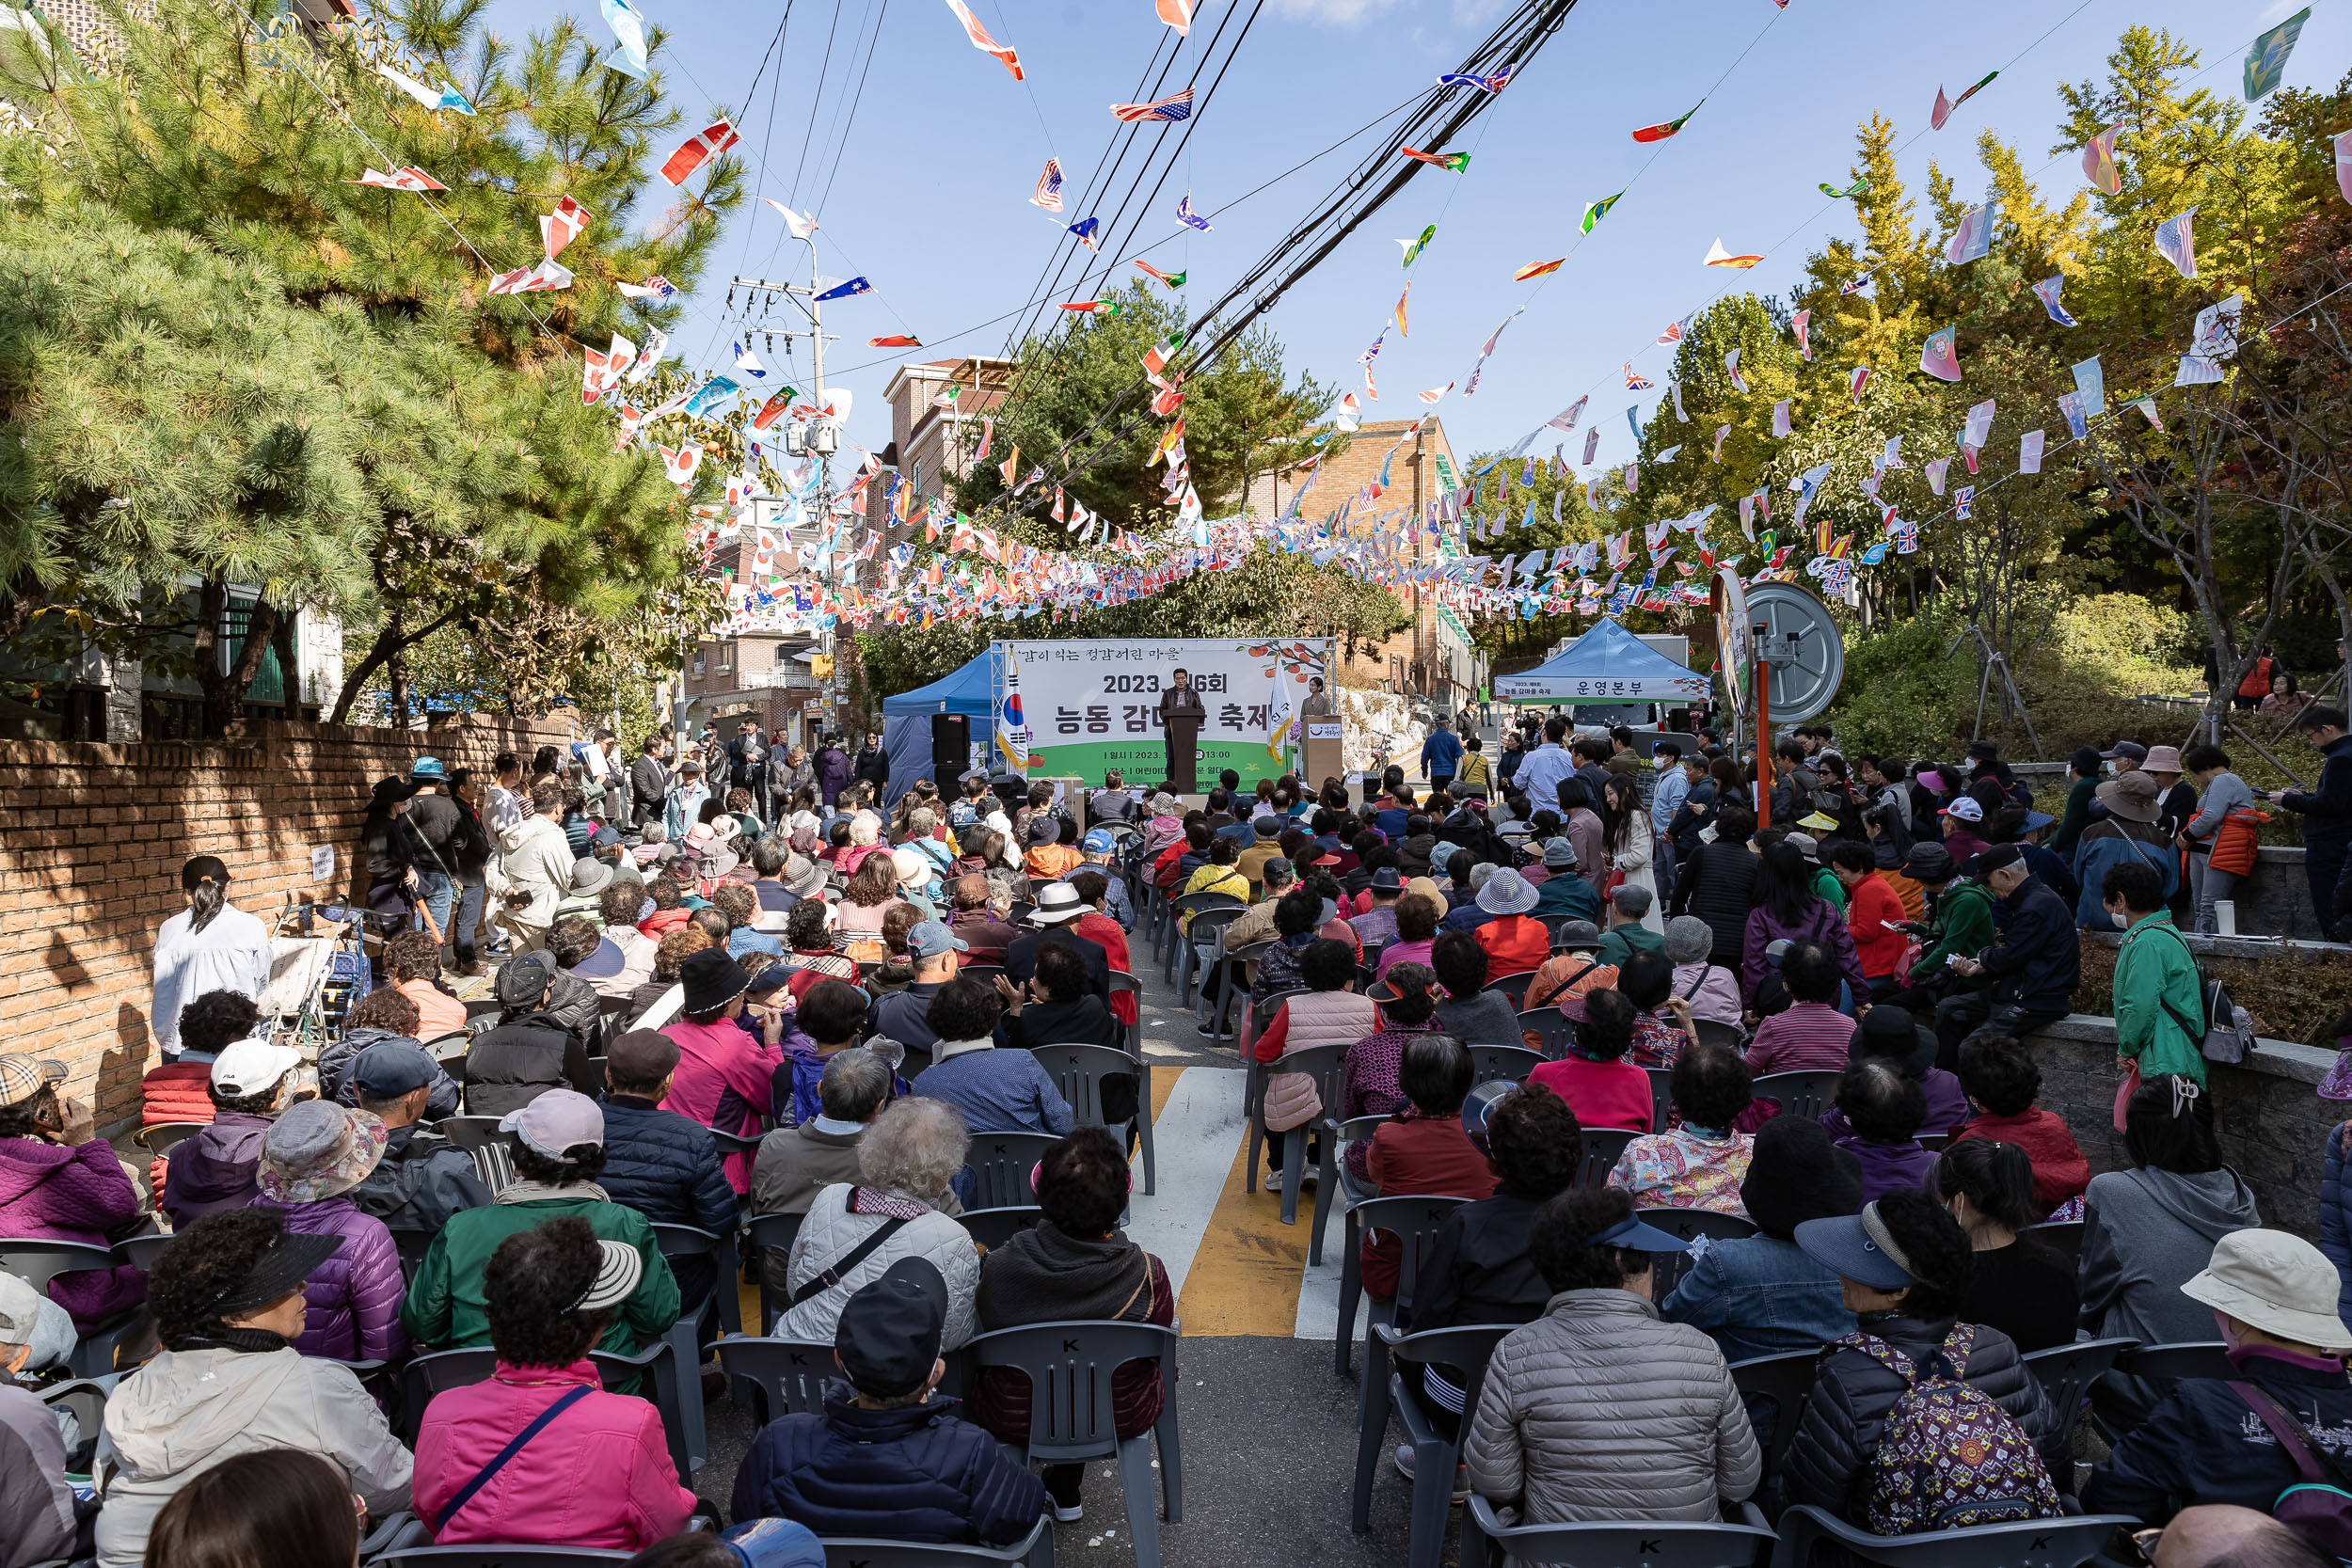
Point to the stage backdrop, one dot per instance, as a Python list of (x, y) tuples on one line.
[(1094, 705)]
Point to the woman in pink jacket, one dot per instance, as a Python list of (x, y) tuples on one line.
[(597, 1471)]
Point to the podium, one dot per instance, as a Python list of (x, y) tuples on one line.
[(1320, 754)]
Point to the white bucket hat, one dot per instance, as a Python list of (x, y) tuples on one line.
[(2278, 1283)]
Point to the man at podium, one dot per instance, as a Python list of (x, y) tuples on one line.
[(1182, 714)]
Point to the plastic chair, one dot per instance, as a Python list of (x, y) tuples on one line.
[(2065, 1235), (1603, 1147), (770, 1233), (1714, 1031), (2066, 1543), (1077, 1071), (437, 1373), (1512, 985), (37, 1261), (159, 1137), (1782, 1381), (470, 1134), (2180, 1359), (1126, 983), (1511, 1063), (999, 1165), (1328, 1066), (143, 1252), (787, 1377), (1551, 1025), (1414, 1222), (985, 973), (1628, 1546), (1467, 1348), (1661, 1097), (1070, 1368), (1180, 940), (412, 1245), (502, 1556), (721, 1311), (1799, 1094), (1933, 1142), (730, 1143), (595, 1065), (858, 1552), (1688, 1225), (992, 1228), (2066, 1373), (673, 1376), (87, 1398)]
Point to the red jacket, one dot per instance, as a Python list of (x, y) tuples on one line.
[(662, 922), (1867, 902), (2060, 1170), (598, 1476), (1429, 1156), (175, 1092), (1098, 927), (1515, 943)]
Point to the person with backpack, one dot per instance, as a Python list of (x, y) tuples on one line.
[(2284, 1422), (1919, 1421), (2159, 998)]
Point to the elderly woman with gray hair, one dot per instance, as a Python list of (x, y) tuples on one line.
[(854, 1232)]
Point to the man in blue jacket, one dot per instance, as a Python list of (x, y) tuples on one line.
[(2035, 966), (2327, 812), (1441, 755), (889, 1458), (658, 1163)]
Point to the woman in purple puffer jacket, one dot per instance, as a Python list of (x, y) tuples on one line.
[(1787, 908), (59, 1181), (315, 1154)]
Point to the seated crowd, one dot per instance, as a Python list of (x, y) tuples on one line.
[(1598, 1030)]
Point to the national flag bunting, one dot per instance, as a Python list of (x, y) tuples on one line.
[(1944, 106), (1176, 105), (897, 340), (981, 41), (1457, 162), (1595, 212), (1538, 269), (1185, 215), (1667, 128), (843, 291), (562, 227), (1173, 280), (1718, 257), (405, 179), (1495, 82), (1085, 228), (1635, 381), (1049, 188), (698, 149)]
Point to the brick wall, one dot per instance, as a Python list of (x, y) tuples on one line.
[(92, 838)]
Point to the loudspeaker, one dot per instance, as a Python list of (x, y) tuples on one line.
[(951, 749)]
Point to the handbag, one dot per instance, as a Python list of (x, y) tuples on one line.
[(826, 1279), (2318, 1507)]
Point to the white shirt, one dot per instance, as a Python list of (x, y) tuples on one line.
[(232, 953)]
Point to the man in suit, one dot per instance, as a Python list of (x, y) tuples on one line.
[(1182, 714), (650, 782), (1058, 909)]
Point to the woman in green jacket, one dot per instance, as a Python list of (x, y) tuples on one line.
[(2159, 1010)]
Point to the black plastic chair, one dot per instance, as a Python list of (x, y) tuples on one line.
[(2066, 1543), (412, 1245), (470, 1134), (858, 1552), (1077, 1071), (768, 1233), (437, 1373), (1714, 1031), (2180, 1359), (1180, 940), (1662, 1097), (36, 1261), (1467, 1348), (992, 1228), (2066, 1373), (143, 1252), (1508, 1063), (1127, 984), (1328, 1066), (1781, 1381), (1070, 1368), (999, 1165), (502, 1556), (1603, 1147), (1688, 1225), (1799, 1094), (1512, 985), (1414, 1222), (1229, 979), (730, 1143), (1630, 1546), (1551, 1025), (787, 1377)]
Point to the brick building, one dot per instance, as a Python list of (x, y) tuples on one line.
[(1435, 656)]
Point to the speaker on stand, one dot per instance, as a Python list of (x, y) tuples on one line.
[(951, 750)]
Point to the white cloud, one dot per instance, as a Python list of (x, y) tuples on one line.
[(2278, 10), (1474, 13), (1344, 13)]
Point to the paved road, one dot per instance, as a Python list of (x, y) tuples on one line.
[(1269, 1427)]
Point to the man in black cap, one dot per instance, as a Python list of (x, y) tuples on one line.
[(658, 1163), (889, 1458), (2034, 967), (423, 1178), (530, 1050)]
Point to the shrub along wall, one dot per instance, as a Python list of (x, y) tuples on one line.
[(92, 838)]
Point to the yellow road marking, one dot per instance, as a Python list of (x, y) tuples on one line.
[(1246, 1277)]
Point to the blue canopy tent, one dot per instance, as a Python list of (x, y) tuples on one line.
[(907, 723), (1608, 665)]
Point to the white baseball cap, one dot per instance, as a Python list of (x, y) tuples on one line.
[(251, 1065)]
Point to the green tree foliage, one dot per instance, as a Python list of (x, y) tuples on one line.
[(232, 136)]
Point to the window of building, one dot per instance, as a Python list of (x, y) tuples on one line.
[(726, 656)]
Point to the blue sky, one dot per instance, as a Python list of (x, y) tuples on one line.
[(926, 192)]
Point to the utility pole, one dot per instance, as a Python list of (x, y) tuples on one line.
[(821, 442)]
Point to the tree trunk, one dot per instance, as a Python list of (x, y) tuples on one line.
[(391, 640), (224, 691), (396, 673)]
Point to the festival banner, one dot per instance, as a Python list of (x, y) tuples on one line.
[(1093, 705)]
